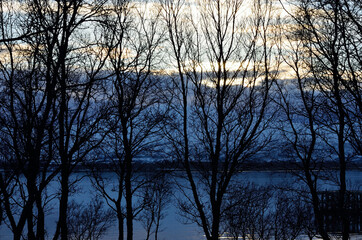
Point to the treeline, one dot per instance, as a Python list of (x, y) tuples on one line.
[(216, 81), (262, 166)]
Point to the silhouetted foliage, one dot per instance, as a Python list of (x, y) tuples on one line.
[(89, 221)]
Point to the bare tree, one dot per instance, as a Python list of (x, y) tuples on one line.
[(60, 115), (259, 212), (27, 101), (300, 102), (133, 36), (291, 216), (351, 34), (88, 222), (248, 213), (327, 89), (224, 64), (157, 196), (77, 114)]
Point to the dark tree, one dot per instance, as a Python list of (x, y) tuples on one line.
[(28, 93), (157, 196), (89, 221), (134, 88), (325, 51), (50, 111), (249, 212), (221, 93)]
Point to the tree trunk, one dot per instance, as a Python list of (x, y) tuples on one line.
[(215, 223), (31, 191), (40, 233), (319, 217), (129, 207), (31, 235), (316, 205), (63, 205), (158, 220), (17, 234), (120, 222)]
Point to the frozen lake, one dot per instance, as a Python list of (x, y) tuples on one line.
[(172, 225)]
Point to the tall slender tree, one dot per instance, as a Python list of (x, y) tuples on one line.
[(80, 104), (133, 37), (223, 61), (27, 101), (328, 91)]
